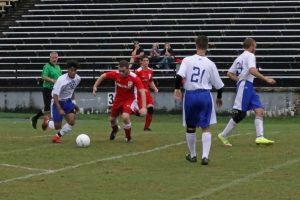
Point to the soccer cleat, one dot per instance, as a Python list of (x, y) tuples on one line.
[(224, 140), (45, 123), (128, 139), (56, 139), (191, 159), (33, 121), (262, 140), (147, 129), (204, 161), (114, 133)]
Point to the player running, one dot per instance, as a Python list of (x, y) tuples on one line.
[(145, 74), (124, 101), (243, 71), (200, 74), (63, 102)]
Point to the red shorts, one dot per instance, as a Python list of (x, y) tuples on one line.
[(127, 106), (149, 99)]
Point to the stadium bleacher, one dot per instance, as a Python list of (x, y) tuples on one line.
[(99, 33)]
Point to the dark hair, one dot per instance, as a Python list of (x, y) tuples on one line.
[(248, 42), (124, 63), (202, 42), (72, 64), (144, 56)]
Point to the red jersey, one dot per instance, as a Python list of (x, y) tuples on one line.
[(145, 76), (125, 85)]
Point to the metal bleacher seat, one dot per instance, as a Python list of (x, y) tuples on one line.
[(100, 32)]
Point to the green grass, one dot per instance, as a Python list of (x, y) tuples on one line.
[(234, 173)]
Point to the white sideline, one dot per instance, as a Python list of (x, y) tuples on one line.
[(243, 179), (21, 167), (92, 162)]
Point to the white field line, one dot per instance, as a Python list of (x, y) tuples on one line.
[(21, 167), (92, 162), (243, 179)]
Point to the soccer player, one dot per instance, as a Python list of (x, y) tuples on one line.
[(124, 101), (199, 74), (145, 74), (243, 71), (51, 72), (64, 104)]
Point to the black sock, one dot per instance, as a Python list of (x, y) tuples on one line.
[(39, 114), (58, 133)]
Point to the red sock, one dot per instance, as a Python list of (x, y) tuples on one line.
[(127, 133), (148, 121), (115, 128)]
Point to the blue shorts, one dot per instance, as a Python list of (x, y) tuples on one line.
[(246, 97), (66, 105), (198, 109)]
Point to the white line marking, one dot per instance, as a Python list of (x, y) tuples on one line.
[(36, 136), (92, 162), (21, 167), (243, 179)]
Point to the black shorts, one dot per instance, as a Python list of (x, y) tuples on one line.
[(47, 99)]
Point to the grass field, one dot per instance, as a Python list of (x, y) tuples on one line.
[(152, 167)]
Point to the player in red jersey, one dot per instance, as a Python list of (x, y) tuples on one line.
[(145, 74), (124, 101)]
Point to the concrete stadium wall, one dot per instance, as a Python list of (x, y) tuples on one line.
[(274, 102)]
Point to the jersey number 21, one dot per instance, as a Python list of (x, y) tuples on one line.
[(197, 75)]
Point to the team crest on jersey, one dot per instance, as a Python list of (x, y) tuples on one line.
[(72, 84), (130, 84)]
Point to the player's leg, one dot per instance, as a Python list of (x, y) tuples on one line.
[(191, 139), (150, 110), (241, 104), (258, 121), (191, 109), (207, 117), (237, 117), (57, 120), (115, 111), (149, 116), (47, 101), (127, 126)]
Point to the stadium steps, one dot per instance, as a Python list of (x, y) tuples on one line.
[(100, 32)]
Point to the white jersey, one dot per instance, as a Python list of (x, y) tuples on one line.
[(65, 86), (199, 73), (242, 65)]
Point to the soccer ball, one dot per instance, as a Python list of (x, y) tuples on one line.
[(83, 140)]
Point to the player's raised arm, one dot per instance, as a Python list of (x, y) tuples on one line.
[(98, 82)]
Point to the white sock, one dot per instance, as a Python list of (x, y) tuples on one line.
[(51, 124), (206, 143), (231, 124), (65, 129), (191, 142), (259, 126)]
